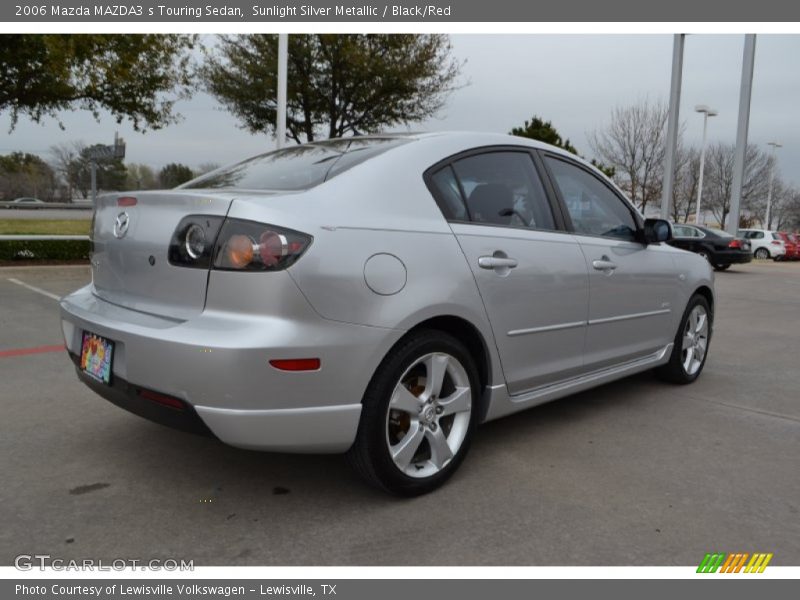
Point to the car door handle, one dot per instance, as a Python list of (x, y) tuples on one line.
[(604, 264), (496, 262)]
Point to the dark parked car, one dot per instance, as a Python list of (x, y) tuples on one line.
[(718, 247)]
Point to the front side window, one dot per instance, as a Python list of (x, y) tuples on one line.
[(503, 188), (593, 207)]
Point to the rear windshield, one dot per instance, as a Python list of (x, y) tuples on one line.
[(297, 167)]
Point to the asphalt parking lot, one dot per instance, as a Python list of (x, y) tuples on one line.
[(637, 472)]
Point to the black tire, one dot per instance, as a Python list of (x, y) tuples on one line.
[(721, 267), (370, 455), (674, 371), (704, 254), (761, 254)]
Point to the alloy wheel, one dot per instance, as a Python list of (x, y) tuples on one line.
[(695, 340), (429, 414)]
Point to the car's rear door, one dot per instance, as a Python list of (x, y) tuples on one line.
[(632, 286), (531, 273)]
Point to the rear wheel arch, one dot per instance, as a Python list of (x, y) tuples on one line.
[(466, 333)]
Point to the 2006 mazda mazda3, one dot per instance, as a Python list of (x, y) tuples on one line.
[(381, 296)]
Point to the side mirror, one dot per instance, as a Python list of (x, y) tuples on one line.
[(657, 230)]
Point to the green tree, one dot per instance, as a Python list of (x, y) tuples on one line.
[(111, 172), (173, 175), (135, 77), (140, 177), (539, 129), (23, 174), (337, 84)]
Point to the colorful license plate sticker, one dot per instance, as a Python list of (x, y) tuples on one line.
[(96, 354)]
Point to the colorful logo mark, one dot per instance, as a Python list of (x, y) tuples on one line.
[(735, 562)]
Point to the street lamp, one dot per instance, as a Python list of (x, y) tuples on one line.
[(707, 112), (771, 181)]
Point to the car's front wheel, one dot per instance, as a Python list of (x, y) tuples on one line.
[(690, 347), (418, 415)]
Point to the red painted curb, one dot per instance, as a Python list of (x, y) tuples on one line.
[(24, 351)]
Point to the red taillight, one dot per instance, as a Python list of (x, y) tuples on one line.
[(776, 243), (250, 246), (126, 201), (735, 244), (162, 399), (272, 247), (296, 364)]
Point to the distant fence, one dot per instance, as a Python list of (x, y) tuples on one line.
[(16, 238), (46, 205)]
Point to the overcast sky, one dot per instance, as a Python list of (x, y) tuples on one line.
[(572, 80)]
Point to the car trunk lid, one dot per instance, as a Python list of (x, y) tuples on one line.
[(131, 236)]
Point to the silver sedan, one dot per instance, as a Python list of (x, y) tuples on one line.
[(381, 296)]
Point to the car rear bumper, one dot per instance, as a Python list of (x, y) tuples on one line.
[(217, 365), (732, 258)]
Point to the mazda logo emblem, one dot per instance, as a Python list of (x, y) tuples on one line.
[(121, 225)]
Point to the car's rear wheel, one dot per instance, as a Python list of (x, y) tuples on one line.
[(690, 347), (721, 267), (418, 415), (761, 253)]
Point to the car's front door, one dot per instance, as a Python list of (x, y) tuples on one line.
[(632, 286), (531, 275)]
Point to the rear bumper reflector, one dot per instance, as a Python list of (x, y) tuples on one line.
[(297, 364)]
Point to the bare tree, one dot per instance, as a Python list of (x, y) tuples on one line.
[(719, 175), (64, 160), (687, 176), (634, 144), (785, 208)]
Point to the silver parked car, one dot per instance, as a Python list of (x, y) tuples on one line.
[(381, 296)]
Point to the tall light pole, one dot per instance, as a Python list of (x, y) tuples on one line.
[(283, 63), (774, 145), (707, 112), (745, 93), (672, 124)]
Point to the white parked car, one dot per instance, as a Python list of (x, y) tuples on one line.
[(764, 243)]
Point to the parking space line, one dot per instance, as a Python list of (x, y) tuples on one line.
[(37, 350), (33, 288)]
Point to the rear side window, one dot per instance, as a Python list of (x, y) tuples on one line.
[(495, 188), (448, 195), (296, 168), (503, 188), (775, 236)]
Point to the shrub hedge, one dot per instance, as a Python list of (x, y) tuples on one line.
[(27, 250)]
